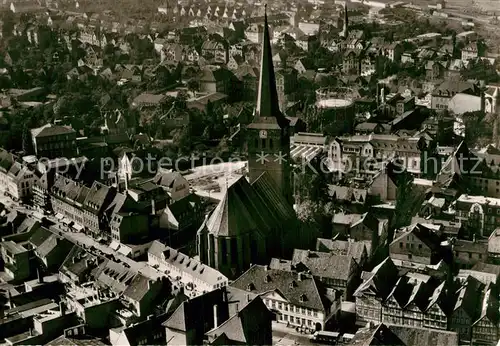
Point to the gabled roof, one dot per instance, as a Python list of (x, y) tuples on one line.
[(244, 326), (51, 130), (298, 289), (329, 265), (380, 281)]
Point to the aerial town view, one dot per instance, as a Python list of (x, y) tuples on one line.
[(250, 172)]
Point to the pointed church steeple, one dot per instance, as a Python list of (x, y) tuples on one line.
[(346, 22), (267, 98)]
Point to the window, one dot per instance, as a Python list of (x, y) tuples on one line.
[(400, 245), (409, 256), (263, 143)]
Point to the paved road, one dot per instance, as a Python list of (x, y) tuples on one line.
[(282, 338)]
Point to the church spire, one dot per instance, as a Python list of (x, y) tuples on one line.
[(346, 21), (267, 97)]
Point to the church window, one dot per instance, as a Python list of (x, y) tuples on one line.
[(256, 142), (263, 143), (270, 143), (234, 251), (224, 251)]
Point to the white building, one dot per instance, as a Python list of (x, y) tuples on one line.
[(189, 271), (16, 179)]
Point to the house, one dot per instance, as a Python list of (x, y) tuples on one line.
[(468, 253), (375, 288), (339, 272), (434, 70), (16, 178), (250, 325), (442, 95), (307, 42), (235, 61), (215, 50), (54, 141), (141, 294), (191, 272), (351, 62), (470, 52), (296, 299), (16, 260), (485, 329), (360, 251), (248, 76), (393, 51), (303, 65), (172, 52), (193, 318), (148, 332), (418, 244), (357, 227), (494, 246)]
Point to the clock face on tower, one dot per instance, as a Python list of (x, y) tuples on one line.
[(263, 134)]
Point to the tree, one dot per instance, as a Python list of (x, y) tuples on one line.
[(408, 199)]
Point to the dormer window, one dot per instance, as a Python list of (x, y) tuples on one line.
[(292, 284), (250, 287), (303, 298), (267, 279)]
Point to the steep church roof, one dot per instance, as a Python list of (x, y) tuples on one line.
[(247, 208)]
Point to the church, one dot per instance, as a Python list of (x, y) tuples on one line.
[(255, 219)]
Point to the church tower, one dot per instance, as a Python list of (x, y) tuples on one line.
[(345, 30), (268, 136)]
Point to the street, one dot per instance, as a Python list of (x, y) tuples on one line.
[(284, 338)]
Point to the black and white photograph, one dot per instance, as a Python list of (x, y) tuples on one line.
[(250, 172)]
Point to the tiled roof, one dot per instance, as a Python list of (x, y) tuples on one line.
[(323, 264), (138, 288), (167, 178), (186, 264), (380, 281), (40, 236), (346, 248), (378, 335), (51, 130), (298, 289), (467, 297), (115, 276), (97, 196), (243, 327), (412, 336), (489, 305)]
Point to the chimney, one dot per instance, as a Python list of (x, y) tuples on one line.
[(266, 267), (308, 253), (153, 207), (62, 309), (39, 276), (382, 95), (299, 276), (474, 238), (248, 298), (215, 316), (150, 283)]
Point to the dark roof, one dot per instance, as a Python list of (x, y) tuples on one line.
[(298, 289), (378, 335), (267, 109), (380, 281), (249, 208), (329, 265), (138, 288), (412, 336), (244, 326), (51, 130)]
